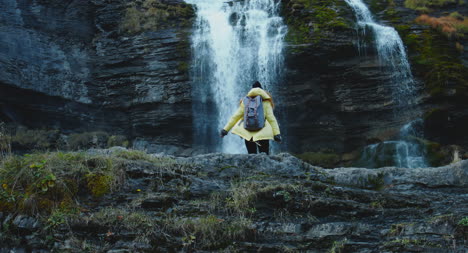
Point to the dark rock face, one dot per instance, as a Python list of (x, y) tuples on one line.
[(338, 96), (44, 47), (71, 65), (194, 204)]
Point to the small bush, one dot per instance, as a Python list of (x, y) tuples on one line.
[(456, 15), (338, 246), (463, 222), (60, 216), (99, 184)]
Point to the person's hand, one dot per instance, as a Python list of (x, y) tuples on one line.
[(277, 138), (223, 133)]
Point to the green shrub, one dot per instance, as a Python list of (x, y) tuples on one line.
[(338, 246), (99, 184), (463, 222), (457, 15), (60, 216)]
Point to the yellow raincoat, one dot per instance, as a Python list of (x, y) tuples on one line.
[(271, 127)]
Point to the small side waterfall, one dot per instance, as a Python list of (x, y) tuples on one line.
[(234, 44), (407, 152), (392, 55), (390, 50)]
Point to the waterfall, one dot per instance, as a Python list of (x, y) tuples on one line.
[(392, 55), (234, 44), (407, 152), (390, 50)]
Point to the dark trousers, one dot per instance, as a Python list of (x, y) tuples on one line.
[(263, 146)]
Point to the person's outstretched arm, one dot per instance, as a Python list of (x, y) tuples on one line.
[(271, 119), (236, 117)]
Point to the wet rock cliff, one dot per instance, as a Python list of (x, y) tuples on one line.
[(340, 97), (122, 67), (116, 66)]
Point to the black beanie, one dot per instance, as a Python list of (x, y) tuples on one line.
[(257, 85)]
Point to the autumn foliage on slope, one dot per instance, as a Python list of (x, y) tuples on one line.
[(453, 26)]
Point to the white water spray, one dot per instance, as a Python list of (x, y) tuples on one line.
[(392, 55), (234, 44), (390, 50)]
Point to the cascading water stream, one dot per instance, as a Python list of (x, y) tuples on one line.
[(390, 50), (403, 153), (234, 44), (392, 55)]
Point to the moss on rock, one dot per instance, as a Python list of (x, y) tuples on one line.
[(437, 62), (312, 20), (429, 5), (151, 15)]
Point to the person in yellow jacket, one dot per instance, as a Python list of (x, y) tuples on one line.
[(261, 137)]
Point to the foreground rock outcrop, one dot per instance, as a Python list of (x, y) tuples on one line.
[(246, 203)]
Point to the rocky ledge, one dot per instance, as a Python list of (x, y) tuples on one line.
[(239, 203)]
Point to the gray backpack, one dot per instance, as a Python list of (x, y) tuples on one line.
[(254, 118)]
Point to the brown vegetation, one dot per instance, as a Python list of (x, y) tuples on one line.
[(452, 26)]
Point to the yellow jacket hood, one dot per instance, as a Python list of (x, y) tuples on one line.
[(258, 92)]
